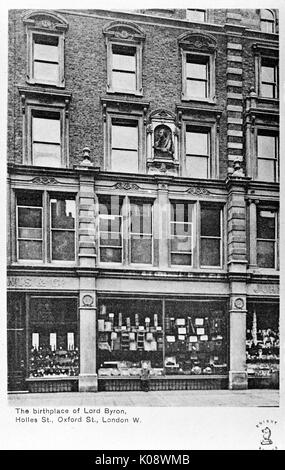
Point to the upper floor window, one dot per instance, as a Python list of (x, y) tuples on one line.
[(198, 152), (124, 146), (267, 21), (196, 15), (125, 230), (45, 48), (46, 139), (267, 156), (198, 66), (45, 126), (266, 238), (269, 78), (124, 58), (181, 233), (211, 236), (45, 227)]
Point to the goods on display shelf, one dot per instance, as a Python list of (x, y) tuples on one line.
[(45, 362)]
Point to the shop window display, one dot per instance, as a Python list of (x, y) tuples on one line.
[(129, 335), (262, 342), (53, 337)]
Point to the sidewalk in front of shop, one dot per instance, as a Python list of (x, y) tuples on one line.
[(192, 398)]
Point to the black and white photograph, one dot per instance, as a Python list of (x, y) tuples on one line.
[(141, 226)]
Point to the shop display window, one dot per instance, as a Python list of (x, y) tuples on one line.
[(195, 338), (262, 340), (129, 334), (53, 337), (174, 337)]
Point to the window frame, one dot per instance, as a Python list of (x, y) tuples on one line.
[(273, 132), (209, 58), (193, 233), (265, 208), (42, 240), (45, 207), (220, 209), (263, 21), (125, 230), (31, 33), (275, 83)]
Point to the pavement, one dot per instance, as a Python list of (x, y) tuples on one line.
[(189, 398)]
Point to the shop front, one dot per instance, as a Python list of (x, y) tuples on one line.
[(182, 342)]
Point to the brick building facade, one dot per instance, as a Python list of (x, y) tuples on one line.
[(143, 196)]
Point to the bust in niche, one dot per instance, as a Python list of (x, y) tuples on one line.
[(163, 142)]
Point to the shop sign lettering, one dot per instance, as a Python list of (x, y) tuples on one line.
[(266, 289), (35, 283)]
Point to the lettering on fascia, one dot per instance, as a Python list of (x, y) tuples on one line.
[(29, 283), (265, 289)]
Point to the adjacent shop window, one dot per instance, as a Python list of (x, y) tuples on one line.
[(110, 229), (267, 21), (46, 139), (45, 227), (198, 152), (263, 345), (211, 236), (196, 15), (130, 333), (62, 212), (267, 156), (266, 238), (141, 242), (53, 337), (131, 217), (124, 146), (29, 227), (181, 233), (269, 78)]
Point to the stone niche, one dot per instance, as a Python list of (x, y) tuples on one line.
[(162, 143)]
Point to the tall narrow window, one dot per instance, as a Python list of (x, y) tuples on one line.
[(124, 146), (197, 153), (46, 139), (29, 227), (197, 76), (267, 21), (124, 68), (269, 78), (267, 157), (45, 58), (266, 238), (196, 15), (181, 233), (62, 228), (110, 229), (141, 231), (210, 245)]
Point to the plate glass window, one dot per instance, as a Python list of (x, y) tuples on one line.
[(46, 139), (269, 78), (210, 242), (141, 231), (267, 157), (124, 68), (181, 233), (124, 154), (29, 227), (45, 59), (197, 76), (62, 229), (266, 238), (197, 153), (110, 229)]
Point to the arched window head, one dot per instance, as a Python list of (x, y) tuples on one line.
[(267, 21)]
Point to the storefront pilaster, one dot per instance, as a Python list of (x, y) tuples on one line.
[(237, 319)]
